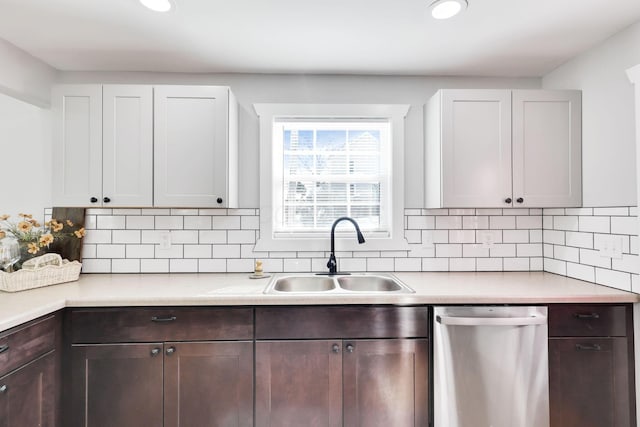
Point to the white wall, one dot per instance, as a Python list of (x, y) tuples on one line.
[(25, 77), (608, 129), (25, 158), (255, 88)]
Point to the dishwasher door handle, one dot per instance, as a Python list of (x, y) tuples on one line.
[(491, 321)]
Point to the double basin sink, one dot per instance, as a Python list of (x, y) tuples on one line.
[(339, 283)]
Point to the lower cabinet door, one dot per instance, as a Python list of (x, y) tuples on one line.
[(27, 396), (589, 383), (208, 384), (117, 385), (299, 383), (386, 383)]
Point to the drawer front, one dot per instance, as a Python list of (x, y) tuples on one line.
[(582, 320), (341, 322), (161, 324), (25, 343)]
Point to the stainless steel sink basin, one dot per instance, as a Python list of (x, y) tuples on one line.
[(304, 284), (360, 283), (368, 284)]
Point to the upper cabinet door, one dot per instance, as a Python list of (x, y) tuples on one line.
[(77, 145), (476, 148), (191, 146), (547, 148), (127, 145)]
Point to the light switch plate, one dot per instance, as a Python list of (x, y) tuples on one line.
[(165, 240)]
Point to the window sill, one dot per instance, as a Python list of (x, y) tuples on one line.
[(324, 244)]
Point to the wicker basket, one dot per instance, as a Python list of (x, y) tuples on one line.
[(45, 270)]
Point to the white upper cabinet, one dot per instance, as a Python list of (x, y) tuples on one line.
[(195, 146), (103, 145), (503, 148), (143, 146), (77, 145)]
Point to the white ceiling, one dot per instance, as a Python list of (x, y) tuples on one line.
[(525, 38)]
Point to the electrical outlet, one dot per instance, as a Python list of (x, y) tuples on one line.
[(611, 247), (486, 238), (165, 240)]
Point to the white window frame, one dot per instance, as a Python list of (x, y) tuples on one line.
[(268, 113)]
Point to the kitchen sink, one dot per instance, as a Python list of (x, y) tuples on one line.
[(309, 283)]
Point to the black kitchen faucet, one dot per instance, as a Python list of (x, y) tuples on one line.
[(333, 264)]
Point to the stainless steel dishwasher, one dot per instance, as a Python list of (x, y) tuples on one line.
[(491, 367)]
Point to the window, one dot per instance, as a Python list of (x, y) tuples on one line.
[(321, 162)]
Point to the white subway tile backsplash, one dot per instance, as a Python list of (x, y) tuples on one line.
[(462, 236), (582, 272), (475, 222), (197, 222), (624, 225), (449, 250), (515, 236), (529, 250), (448, 222), (96, 265), (420, 222), (197, 251), (110, 251), (489, 264), (213, 236), (502, 222), (174, 251), (562, 241), (529, 221), (140, 251), (241, 266), (169, 222), (183, 265), (435, 264), (213, 266), (462, 264), (226, 251), (595, 224), (126, 236), (226, 223), (555, 266), (615, 279), (516, 264), (97, 236), (130, 265), (140, 222), (154, 266), (408, 264), (503, 250), (568, 223)]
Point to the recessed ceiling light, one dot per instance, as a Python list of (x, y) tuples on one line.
[(157, 5), (445, 9)]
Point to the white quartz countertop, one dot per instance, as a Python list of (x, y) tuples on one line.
[(113, 290)]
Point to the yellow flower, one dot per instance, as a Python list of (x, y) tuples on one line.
[(24, 226), (32, 248), (80, 233), (4, 217), (34, 223), (28, 216), (69, 223), (46, 240), (55, 225), (2, 234)]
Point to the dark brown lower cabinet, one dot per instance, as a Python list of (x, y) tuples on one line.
[(342, 383), (162, 384), (589, 382), (27, 395)]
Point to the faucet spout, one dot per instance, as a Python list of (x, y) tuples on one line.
[(333, 264)]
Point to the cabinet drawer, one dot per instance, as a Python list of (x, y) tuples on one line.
[(341, 322), (582, 320), (25, 343), (161, 324)]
